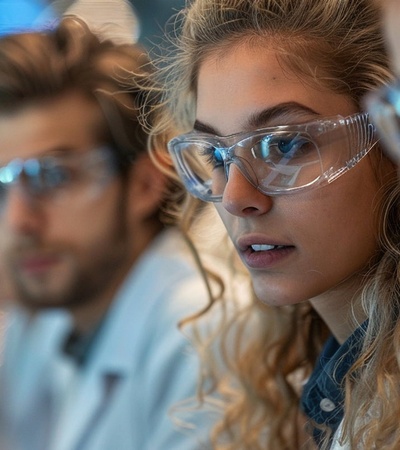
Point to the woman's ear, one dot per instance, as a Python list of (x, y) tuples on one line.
[(146, 188)]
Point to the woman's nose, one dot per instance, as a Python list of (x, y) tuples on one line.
[(242, 198)]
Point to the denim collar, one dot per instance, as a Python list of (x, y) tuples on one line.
[(78, 346), (323, 394)]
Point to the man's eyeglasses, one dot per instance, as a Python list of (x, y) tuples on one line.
[(384, 108), (59, 177), (276, 160)]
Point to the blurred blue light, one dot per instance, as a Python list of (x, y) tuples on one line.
[(24, 15)]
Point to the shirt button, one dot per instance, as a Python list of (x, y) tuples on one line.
[(327, 405)]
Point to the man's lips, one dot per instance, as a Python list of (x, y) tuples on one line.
[(37, 264)]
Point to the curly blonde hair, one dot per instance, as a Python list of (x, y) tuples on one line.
[(337, 44)]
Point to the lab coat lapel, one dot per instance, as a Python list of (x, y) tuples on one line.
[(90, 402)]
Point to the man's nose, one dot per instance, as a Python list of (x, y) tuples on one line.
[(20, 211)]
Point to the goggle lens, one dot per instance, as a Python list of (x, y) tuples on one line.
[(57, 177), (275, 160)]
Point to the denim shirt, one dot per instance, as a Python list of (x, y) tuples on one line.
[(323, 395)]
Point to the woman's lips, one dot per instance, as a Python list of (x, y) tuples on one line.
[(264, 256)]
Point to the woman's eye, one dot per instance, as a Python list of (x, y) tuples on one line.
[(213, 156), (283, 146)]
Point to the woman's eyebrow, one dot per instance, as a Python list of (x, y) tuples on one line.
[(290, 110), (204, 128), (261, 119)]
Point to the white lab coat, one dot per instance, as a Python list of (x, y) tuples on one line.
[(140, 366)]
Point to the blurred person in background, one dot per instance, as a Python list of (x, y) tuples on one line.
[(93, 357), (384, 104)]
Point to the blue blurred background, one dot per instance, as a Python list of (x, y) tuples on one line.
[(22, 15)]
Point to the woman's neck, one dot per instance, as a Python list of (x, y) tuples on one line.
[(340, 308)]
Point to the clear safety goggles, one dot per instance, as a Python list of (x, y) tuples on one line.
[(383, 106), (57, 178), (275, 160)]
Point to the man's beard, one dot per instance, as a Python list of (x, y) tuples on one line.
[(86, 283)]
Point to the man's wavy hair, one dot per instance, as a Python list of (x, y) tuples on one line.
[(41, 66)]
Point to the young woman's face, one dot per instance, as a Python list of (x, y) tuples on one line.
[(326, 235)]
